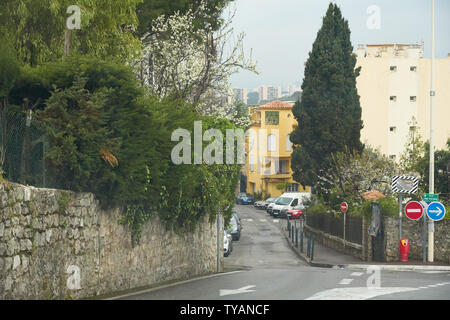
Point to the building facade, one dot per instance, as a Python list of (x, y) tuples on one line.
[(394, 89), (269, 150), (269, 93), (240, 95)]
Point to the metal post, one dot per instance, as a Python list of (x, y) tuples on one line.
[(301, 241), (296, 237), (400, 215), (424, 238), (312, 249), (345, 215), (219, 252), (432, 93), (292, 233)]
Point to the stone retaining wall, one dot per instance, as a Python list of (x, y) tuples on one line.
[(51, 238)]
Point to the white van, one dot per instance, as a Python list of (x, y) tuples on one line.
[(288, 201)]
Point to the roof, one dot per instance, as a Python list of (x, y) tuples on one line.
[(276, 105)]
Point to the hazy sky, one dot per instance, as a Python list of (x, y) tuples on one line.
[(281, 32)]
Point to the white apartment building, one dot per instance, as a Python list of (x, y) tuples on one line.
[(394, 88), (268, 92), (240, 95)]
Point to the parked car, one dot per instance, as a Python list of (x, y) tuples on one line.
[(288, 201), (262, 204), (269, 201), (244, 198), (270, 207), (227, 243), (235, 228), (296, 212)]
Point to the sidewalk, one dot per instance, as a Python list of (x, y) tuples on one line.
[(330, 258)]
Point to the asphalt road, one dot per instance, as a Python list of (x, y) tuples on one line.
[(263, 267)]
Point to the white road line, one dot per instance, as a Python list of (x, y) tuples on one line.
[(262, 220), (275, 221), (361, 293), (346, 281), (249, 220), (357, 274)]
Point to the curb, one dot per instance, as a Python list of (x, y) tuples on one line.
[(302, 255), (395, 267)]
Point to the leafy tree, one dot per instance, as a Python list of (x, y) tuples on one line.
[(329, 113), (37, 28), (149, 10), (9, 72), (182, 60)]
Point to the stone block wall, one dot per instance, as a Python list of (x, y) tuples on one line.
[(51, 238), (413, 231)]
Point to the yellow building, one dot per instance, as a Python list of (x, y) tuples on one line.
[(269, 149), (394, 86)]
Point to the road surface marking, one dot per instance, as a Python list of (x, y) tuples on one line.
[(357, 274), (225, 292), (262, 220), (360, 293), (249, 220), (346, 281), (275, 220)]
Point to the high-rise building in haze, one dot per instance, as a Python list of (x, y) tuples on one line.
[(240, 95), (269, 92)]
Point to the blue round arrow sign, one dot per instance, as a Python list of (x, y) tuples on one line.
[(436, 211)]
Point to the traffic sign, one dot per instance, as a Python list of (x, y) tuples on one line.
[(430, 197), (414, 210), (344, 207), (405, 184), (436, 211)]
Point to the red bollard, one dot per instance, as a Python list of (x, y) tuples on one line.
[(404, 250)]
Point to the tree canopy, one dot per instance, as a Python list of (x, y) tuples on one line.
[(329, 113)]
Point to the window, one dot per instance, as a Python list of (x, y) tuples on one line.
[(272, 117), (272, 143), (292, 188), (412, 128), (283, 166), (392, 129), (392, 157), (288, 143), (393, 98), (294, 203), (412, 98), (393, 68), (413, 68)]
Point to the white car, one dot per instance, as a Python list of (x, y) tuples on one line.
[(287, 201), (227, 243)]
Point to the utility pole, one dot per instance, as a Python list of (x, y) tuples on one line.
[(432, 94)]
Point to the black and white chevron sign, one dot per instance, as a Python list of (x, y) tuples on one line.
[(404, 184)]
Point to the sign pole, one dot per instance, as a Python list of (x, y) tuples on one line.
[(345, 214), (400, 215), (432, 93), (424, 238)]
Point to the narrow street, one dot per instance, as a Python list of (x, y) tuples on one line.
[(262, 266)]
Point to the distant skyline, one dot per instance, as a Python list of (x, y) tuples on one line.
[(281, 32)]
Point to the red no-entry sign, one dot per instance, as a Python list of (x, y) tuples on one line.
[(414, 210), (344, 207)]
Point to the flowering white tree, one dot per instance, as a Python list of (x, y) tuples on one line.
[(182, 60), (355, 173)]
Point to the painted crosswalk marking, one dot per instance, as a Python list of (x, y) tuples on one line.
[(357, 274), (346, 281)]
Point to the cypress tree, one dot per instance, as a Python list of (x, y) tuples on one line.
[(329, 113)]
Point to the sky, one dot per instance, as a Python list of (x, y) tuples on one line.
[(280, 33)]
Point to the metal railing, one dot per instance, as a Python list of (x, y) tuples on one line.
[(298, 236)]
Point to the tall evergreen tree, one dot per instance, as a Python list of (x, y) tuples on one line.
[(329, 113)]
